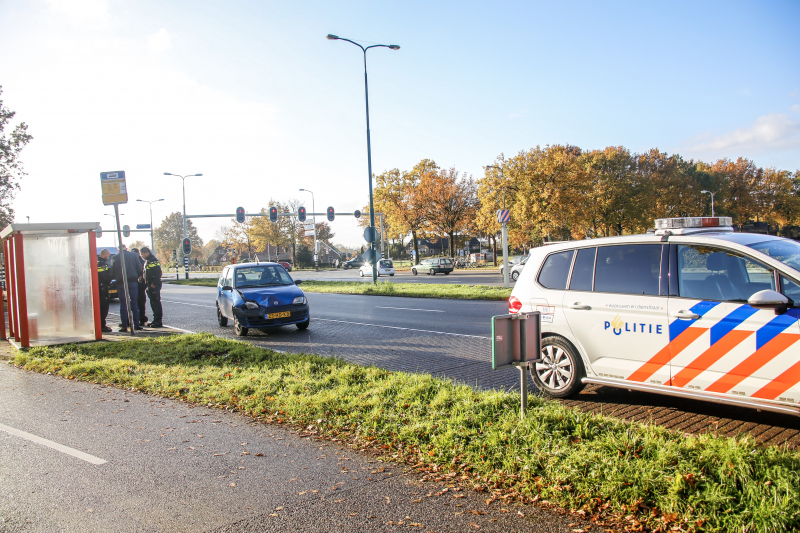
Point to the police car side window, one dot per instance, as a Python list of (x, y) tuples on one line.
[(583, 271), (709, 273), (628, 269), (555, 270)]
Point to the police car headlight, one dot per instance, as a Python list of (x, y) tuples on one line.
[(300, 300), (251, 305)]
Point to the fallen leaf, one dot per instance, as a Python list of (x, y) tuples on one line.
[(233, 484), (259, 455)]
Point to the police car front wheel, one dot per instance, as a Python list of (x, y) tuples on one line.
[(561, 369)]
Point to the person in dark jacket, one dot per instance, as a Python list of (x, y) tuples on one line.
[(141, 300), (133, 268), (104, 280), (152, 280)]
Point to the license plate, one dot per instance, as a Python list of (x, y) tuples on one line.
[(282, 314)]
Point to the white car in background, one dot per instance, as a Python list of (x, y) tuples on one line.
[(512, 261), (385, 268)]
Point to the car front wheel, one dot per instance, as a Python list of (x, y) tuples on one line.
[(221, 320), (361, 273), (559, 372), (515, 275), (414, 271), (240, 330), (432, 272), (303, 325)]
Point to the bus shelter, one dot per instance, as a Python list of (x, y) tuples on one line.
[(51, 283)]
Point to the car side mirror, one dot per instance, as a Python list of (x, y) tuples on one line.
[(768, 300), (227, 288), (298, 281)]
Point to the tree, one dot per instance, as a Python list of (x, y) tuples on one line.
[(11, 169), (169, 236), (209, 247), (137, 244), (450, 202)]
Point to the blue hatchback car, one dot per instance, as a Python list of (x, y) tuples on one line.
[(261, 296)]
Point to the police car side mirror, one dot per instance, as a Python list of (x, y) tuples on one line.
[(227, 288), (768, 300)]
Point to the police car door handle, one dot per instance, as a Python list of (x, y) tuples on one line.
[(579, 306), (688, 315)]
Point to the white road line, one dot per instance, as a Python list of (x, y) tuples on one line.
[(404, 329), (184, 303), (410, 309), (56, 446)]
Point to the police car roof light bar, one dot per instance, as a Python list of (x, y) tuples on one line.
[(693, 222)]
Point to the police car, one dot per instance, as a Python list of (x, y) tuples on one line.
[(693, 310)]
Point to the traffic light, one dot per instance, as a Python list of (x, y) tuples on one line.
[(301, 214), (187, 246), (126, 231), (331, 214), (240, 214), (98, 232), (273, 214), (174, 255)]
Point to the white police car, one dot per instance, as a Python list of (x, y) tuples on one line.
[(693, 310)]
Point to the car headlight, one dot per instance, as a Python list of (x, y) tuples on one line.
[(251, 305), (300, 300)]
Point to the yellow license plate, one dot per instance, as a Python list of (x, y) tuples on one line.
[(282, 314)]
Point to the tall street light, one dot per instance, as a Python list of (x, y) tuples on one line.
[(505, 231), (152, 240), (712, 200), (369, 151), (183, 181), (314, 210)]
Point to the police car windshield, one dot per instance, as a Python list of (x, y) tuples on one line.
[(261, 276), (785, 251)]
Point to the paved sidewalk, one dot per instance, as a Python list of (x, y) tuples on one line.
[(171, 466)]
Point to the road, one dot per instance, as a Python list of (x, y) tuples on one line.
[(483, 276), (76, 456), (450, 338)]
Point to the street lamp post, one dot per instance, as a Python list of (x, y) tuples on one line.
[(505, 232), (183, 181), (369, 150), (314, 210), (712, 200), (152, 240)]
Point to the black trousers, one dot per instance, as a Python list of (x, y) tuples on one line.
[(154, 293), (141, 301), (103, 306)]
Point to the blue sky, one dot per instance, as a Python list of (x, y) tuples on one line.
[(252, 95)]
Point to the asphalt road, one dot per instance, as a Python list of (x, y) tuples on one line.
[(116, 460), (483, 276)]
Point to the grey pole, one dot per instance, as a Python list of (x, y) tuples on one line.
[(369, 148), (152, 239), (712, 200), (183, 182), (124, 274), (316, 248)]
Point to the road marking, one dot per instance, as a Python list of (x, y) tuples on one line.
[(404, 329), (410, 309), (184, 303), (56, 446)]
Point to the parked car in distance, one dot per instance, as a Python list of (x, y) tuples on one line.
[(513, 260), (261, 296), (514, 271), (355, 262), (285, 265), (433, 266), (385, 268)]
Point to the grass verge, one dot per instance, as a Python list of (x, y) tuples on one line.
[(386, 288), (600, 467)]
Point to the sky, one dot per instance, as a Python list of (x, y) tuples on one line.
[(253, 96)]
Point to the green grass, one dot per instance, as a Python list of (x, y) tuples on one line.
[(386, 288), (607, 468)]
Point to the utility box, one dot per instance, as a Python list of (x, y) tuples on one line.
[(51, 283)]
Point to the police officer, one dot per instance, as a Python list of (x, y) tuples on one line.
[(104, 280), (141, 301), (152, 279), (133, 268)]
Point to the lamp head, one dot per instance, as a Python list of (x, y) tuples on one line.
[(394, 47), (167, 174), (160, 200), (197, 174), (140, 200), (706, 192), (331, 37)]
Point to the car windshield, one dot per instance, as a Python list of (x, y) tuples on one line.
[(261, 276), (785, 251)]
